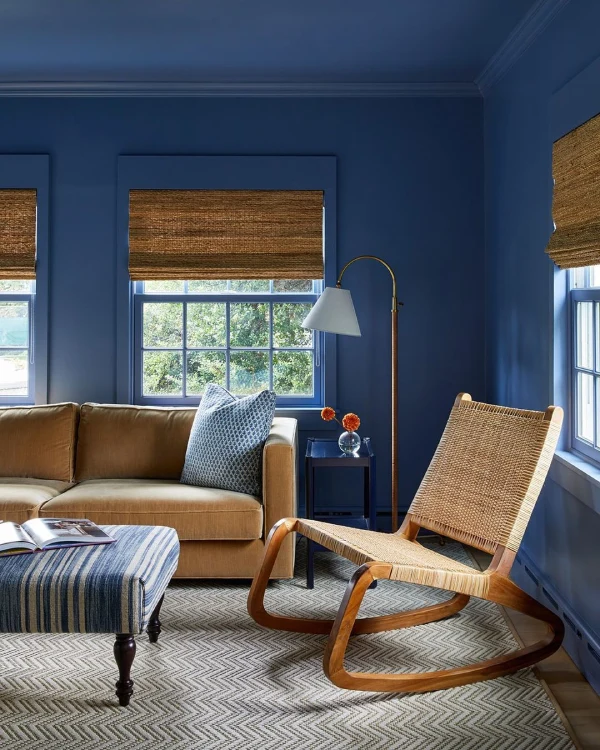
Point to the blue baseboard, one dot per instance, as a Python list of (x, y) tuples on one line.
[(580, 643)]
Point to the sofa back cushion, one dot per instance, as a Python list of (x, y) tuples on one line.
[(38, 441), (132, 442)]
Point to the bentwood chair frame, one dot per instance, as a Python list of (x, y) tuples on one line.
[(480, 489)]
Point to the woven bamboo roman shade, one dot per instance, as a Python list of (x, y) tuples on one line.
[(17, 234), (225, 234), (576, 208)]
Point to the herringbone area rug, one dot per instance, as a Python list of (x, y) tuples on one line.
[(216, 680)]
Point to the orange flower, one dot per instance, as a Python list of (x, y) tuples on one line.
[(351, 422), (328, 413)]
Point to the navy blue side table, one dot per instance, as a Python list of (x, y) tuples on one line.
[(321, 453)]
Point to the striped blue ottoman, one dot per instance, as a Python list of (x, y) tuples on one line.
[(112, 588)]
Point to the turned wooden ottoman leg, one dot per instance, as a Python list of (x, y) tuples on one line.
[(154, 624), (124, 655)]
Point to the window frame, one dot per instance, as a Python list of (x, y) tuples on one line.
[(223, 173), (576, 296), (29, 298), (140, 297), (28, 171)]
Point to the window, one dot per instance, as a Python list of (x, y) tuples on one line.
[(186, 222), (245, 335), (16, 349), (585, 360)]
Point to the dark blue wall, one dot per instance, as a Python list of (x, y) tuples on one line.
[(410, 188), (525, 112)]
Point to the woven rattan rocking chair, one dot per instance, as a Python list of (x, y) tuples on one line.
[(480, 489)]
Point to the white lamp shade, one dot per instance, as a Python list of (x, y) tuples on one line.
[(333, 312)]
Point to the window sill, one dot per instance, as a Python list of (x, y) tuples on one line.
[(579, 477)]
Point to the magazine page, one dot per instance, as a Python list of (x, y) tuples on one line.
[(13, 536), (48, 532)]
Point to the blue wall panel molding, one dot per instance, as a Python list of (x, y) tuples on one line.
[(580, 641), (219, 173), (409, 181), (237, 89), (25, 171), (552, 88)]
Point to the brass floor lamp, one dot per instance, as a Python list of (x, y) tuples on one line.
[(334, 312)]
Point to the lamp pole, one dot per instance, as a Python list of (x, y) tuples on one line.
[(395, 305)]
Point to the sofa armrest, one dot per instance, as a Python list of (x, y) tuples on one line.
[(280, 473)]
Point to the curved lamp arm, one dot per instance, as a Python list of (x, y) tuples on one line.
[(394, 404), (395, 302)]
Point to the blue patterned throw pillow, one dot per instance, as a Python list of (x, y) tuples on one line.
[(227, 439)]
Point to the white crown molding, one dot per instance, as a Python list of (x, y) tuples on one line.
[(232, 89), (521, 37)]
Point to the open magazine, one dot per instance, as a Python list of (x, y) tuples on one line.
[(49, 533)]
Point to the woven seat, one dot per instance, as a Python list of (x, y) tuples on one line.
[(411, 562), (480, 489)]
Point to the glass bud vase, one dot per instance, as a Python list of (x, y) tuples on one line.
[(349, 443)]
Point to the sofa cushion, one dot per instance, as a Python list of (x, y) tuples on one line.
[(195, 512), (21, 498), (227, 438), (38, 441), (132, 442)]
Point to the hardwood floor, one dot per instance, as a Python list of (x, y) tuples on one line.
[(567, 687)]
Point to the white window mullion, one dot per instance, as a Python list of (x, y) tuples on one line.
[(595, 383), (271, 343), (31, 340), (184, 349), (227, 344)]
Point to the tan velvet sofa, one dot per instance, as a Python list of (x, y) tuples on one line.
[(121, 465)]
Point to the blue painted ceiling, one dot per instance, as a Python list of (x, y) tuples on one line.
[(253, 40)]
